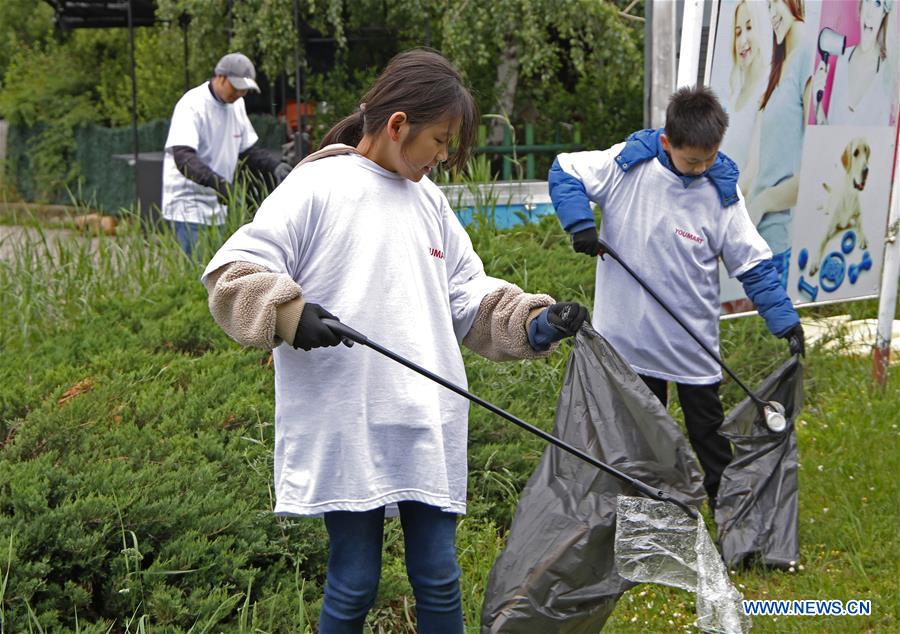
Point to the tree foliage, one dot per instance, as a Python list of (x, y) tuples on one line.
[(542, 62), (559, 50)]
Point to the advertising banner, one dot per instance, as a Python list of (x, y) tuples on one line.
[(811, 89)]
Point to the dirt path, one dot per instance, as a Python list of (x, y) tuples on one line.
[(13, 237)]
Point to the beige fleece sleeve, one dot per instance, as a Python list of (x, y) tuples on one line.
[(500, 330), (253, 305)]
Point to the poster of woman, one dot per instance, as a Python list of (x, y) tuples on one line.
[(772, 129), (749, 42), (855, 82), (771, 179)]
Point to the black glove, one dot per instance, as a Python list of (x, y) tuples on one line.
[(795, 340), (311, 332), (567, 317), (223, 190), (281, 172), (585, 241)]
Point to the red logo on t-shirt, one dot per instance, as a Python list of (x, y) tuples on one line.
[(690, 236), (436, 253)]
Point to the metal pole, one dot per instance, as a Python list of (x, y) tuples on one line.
[(887, 301), (230, 16), (662, 69), (711, 41), (298, 135), (648, 63), (283, 85), (689, 51), (134, 130), (184, 20)]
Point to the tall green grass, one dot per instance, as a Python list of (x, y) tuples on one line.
[(136, 454)]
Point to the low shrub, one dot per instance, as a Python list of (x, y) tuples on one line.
[(136, 454)]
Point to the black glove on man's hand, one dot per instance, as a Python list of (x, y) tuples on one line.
[(223, 190), (585, 241), (281, 172), (567, 317), (795, 340), (311, 332)]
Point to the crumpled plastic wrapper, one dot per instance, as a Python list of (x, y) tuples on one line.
[(656, 542)]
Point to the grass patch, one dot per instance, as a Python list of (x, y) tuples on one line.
[(136, 450)]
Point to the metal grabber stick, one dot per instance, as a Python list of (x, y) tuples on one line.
[(772, 411), (348, 335)]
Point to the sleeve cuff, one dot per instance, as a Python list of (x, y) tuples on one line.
[(581, 226), (287, 317)]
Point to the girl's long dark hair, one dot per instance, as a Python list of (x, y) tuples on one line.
[(779, 52), (425, 86)]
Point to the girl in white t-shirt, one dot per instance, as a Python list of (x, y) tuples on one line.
[(358, 230)]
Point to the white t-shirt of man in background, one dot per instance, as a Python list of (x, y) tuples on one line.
[(219, 132)]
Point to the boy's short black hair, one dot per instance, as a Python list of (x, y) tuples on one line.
[(695, 118)]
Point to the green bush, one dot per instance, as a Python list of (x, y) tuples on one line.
[(148, 491), (136, 455), (136, 450)]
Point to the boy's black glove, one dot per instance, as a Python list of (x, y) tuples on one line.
[(585, 241), (311, 332), (567, 317), (795, 340)]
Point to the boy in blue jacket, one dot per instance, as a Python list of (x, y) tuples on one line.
[(671, 208)]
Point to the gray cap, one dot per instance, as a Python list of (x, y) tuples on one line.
[(239, 70)]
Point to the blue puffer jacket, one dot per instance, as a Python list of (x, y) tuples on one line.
[(570, 200), (762, 285)]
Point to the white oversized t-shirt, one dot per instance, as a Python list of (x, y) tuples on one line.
[(219, 132), (671, 236), (353, 429)]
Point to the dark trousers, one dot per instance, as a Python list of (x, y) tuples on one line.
[(703, 415)]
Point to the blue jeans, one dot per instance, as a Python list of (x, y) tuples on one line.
[(354, 568), (188, 234)]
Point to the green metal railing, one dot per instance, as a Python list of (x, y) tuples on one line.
[(512, 153)]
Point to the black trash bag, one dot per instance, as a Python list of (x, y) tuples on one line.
[(557, 573), (757, 501)]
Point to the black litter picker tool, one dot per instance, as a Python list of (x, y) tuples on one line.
[(349, 336), (772, 412)]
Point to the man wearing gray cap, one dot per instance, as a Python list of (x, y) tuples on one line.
[(209, 133)]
